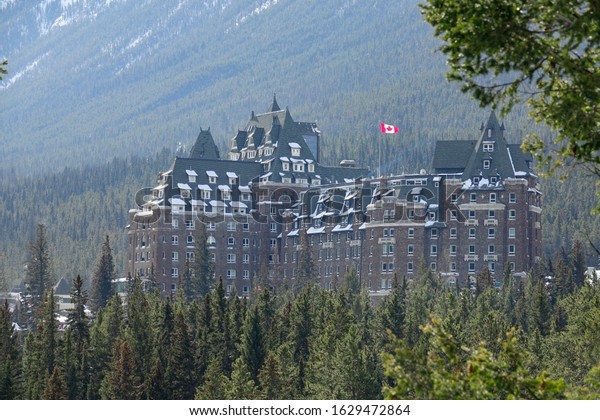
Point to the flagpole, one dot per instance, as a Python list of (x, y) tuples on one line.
[(379, 151)]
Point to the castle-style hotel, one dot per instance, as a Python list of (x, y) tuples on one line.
[(271, 201)]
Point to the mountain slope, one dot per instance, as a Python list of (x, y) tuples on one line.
[(90, 80)]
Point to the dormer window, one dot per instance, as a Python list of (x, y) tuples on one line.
[(295, 147), (298, 167), (251, 154), (285, 166), (488, 146), (212, 177), (311, 167), (486, 164), (191, 175)]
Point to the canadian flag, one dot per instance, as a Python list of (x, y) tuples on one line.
[(386, 128)]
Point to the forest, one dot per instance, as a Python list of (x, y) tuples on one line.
[(424, 340)]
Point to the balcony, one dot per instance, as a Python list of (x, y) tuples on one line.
[(470, 257), (471, 222), (490, 222), (490, 257), (387, 241)]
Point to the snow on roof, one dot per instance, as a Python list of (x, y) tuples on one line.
[(191, 172), (177, 201), (183, 186), (224, 188), (284, 159), (312, 230), (244, 189), (268, 174), (232, 175), (294, 145), (211, 173), (239, 204), (204, 187), (216, 203)]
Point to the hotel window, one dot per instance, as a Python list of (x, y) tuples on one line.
[(189, 224), (473, 197), (205, 195), (512, 214), (231, 274), (175, 240), (246, 276), (453, 197), (453, 267), (174, 272), (212, 179), (471, 249), (285, 166), (409, 267), (452, 233), (230, 258), (434, 233), (491, 249), (512, 197), (230, 241), (512, 232), (246, 258), (488, 147), (311, 167), (411, 250), (385, 231), (491, 214), (511, 249), (471, 214), (245, 242), (190, 257), (453, 214), (492, 197), (295, 151), (433, 250), (433, 266), (471, 267), (471, 233), (491, 233), (392, 231), (486, 164), (411, 233), (175, 223), (452, 249), (246, 227), (190, 239)]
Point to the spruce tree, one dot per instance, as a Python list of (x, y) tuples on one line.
[(252, 348), (305, 271), (102, 279), (241, 386), (121, 381), (203, 272), (56, 388), (38, 273), (9, 356), (215, 382), (179, 373)]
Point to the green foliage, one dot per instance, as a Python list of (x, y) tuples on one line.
[(546, 51), (102, 278), (452, 371)]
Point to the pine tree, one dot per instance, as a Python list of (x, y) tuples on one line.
[(9, 356), (305, 271), (203, 273), (77, 319), (391, 311), (56, 388), (180, 367), (121, 381), (241, 386), (215, 382), (38, 273), (252, 348), (139, 329), (102, 278)]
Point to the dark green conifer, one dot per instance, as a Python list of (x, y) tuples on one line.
[(102, 288)]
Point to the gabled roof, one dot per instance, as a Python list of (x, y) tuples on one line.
[(490, 156), (204, 147)]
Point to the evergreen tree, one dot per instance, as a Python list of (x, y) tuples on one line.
[(252, 348), (56, 389), (202, 270), (121, 381), (77, 319), (156, 387), (139, 330), (391, 311), (102, 278), (38, 273), (180, 367), (9, 356), (577, 257), (215, 382), (241, 386), (305, 271)]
